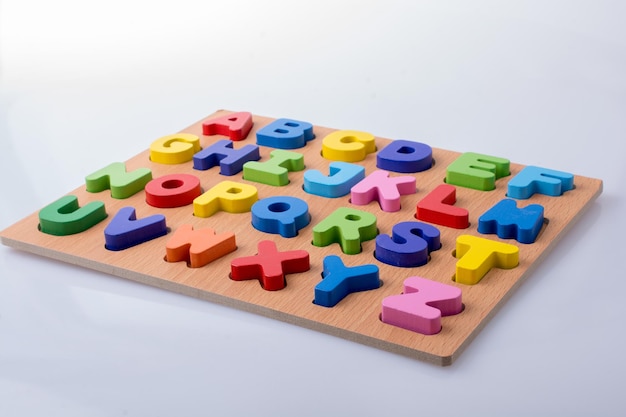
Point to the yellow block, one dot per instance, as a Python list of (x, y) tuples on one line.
[(348, 145), (230, 196), (478, 255), (174, 149)]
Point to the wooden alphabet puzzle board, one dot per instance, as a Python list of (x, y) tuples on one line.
[(295, 290)]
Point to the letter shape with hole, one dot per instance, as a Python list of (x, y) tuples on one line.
[(285, 134), (229, 196), (281, 215), (405, 156), (235, 125), (346, 226), (275, 170), (422, 305), (122, 184), (409, 245), (173, 190), (231, 161)]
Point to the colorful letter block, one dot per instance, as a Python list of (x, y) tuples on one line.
[(198, 247), (221, 153), (281, 215), (229, 196), (269, 265), (348, 145), (405, 156), (121, 183), (381, 187), (174, 149), (345, 226), (343, 176), (437, 207), (235, 125), (339, 280), (275, 171), (477, 171), (64, 216), (532, 179), (510, 222), (422, 305), (409, 245), (476, 256), (125, 230), (173, 190), (285, 134)]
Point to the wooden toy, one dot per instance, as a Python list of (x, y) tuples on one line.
[(234, 125), (339, 281), (392, 244), (409, 245), (477, 256), (269, 265), (422, 305), (533, 180), (438, 208), (343, 176), (379, 186), (510, 222), (405, 156)]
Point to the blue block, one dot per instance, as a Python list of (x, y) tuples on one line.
[(509, 222), (222, 153), (285, 134), (281, 215), (343, 176), (532, 179), (125, 231), (405, 156), (339, 281), (409, 244)]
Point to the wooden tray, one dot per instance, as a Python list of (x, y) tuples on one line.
[(357, 316)]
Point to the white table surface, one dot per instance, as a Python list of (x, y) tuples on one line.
[(84, 84)]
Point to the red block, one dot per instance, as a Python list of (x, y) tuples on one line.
[(235, 125), (437, 207), (173, 190), (270, 266)]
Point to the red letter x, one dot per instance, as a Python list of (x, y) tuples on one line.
[(270, 266)]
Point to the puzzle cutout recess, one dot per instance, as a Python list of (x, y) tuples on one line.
[(389, 243)]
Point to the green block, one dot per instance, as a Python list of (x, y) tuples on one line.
[(477, 171), (346, 226), (275, 170), (121, 183), (64, 216)]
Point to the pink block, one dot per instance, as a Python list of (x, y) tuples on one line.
[(422, 305), (383, 188)]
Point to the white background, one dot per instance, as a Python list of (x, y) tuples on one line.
[(84, 84)]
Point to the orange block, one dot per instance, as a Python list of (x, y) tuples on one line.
[(198, 247)]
